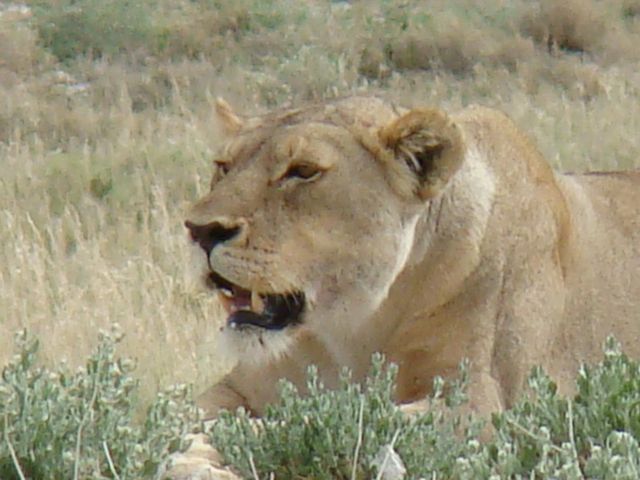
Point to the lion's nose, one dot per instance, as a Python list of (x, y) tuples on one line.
[(210, 235)]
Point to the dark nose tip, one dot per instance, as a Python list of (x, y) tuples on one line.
[(212, 234)]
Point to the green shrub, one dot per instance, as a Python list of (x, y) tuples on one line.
[(59, 424), (580, 437), (324, 434), (69, 28), (337, 434)]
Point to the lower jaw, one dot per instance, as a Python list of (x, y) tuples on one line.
[(245, 319), (274, 314)]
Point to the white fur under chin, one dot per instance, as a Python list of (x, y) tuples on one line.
[(253, 345)]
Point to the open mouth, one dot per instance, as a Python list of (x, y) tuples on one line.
[(269, 311)]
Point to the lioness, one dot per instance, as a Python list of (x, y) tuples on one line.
[(342, 229)]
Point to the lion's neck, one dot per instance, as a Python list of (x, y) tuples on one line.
[(442, 250)]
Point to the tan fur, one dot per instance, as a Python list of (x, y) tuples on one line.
[(430, 237)]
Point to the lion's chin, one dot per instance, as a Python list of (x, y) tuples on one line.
[(254, 345)]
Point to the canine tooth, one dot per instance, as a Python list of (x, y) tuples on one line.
[(256, 302), (226, 293)]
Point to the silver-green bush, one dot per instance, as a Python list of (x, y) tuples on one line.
[(61, 424), (337, 434)]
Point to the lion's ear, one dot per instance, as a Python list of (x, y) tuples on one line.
[(231, 122), (430, 143)]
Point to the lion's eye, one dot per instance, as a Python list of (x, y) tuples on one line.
[(222, 168), (304, 171)]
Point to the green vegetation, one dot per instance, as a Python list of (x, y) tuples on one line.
[(63, 424), (59, 424), (329, 435), (107, 132), (92, 27), (338, 434)]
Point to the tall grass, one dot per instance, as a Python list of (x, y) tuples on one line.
[(106, 134)]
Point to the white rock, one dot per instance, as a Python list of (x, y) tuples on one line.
[(389, 464)]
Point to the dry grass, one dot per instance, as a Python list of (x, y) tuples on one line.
[(101, 154)]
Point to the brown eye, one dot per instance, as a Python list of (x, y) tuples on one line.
[(304, 171), (221, 167)]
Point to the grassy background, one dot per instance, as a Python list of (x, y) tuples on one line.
[(107, 132)]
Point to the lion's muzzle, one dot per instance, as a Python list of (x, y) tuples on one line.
[(246, 307)]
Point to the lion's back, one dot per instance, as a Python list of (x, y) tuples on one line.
[(604, 273), (615, 198)]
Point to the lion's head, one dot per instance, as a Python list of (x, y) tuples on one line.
[(312, 213)]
